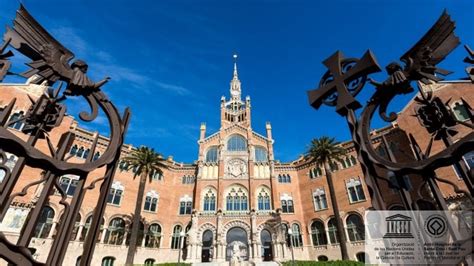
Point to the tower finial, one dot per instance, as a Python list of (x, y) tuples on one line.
[(235, 65)]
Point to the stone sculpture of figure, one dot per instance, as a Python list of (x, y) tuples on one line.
[(235, 259)]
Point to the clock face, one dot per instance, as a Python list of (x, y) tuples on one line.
[(234, 92)]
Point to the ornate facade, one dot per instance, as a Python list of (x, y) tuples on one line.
[(236, 202)]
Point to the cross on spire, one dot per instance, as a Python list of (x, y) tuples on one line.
[(235, 90)]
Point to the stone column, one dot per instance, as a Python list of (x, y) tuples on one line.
[(53, 229), (79, 232), (104, 232)]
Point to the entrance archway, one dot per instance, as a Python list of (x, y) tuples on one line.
[(237, 244), (207, 250), (266, 240)]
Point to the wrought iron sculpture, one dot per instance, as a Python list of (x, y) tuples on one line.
[(50, 64), (346, 78)]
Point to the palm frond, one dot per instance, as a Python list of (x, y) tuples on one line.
[(145, 161), (324, 150)]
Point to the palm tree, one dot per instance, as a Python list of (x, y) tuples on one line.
[(324, 151), (146, 163)]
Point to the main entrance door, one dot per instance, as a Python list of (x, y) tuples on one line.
[(207, 251), (266, 240), (237, 245)]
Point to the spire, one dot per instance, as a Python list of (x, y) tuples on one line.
[(236, 75), (235, 91)]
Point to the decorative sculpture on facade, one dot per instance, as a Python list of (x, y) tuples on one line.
[(50, 64)]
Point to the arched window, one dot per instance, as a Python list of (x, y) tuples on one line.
[(355, 190), (16, 121), (284, 178), (185, 205), (318, 234), (115, 232), (69, 184), (355, 228), (261, 154), (360, 257), (176, 238), (187, 179), (80, 152), (353, 160), (315, 172), (45, 222), (115, 193), (86, 153), (296, 235), (108, 261), (236, 143), (140, 235), (285, 231), (151, 201), (157, 175), (123, 165), (332, 230), (460, 111), (319, 199), (87, 225), (237, 199), (73, 150), (149, 262), (348, 162), (153, 237), (263, 199), (78, 261), (334, 166), (211, 155), (287, 205), (209, 203), (96, 156), (76, 227)]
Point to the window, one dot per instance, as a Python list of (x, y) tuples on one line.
[(76, 228), (187, 179), (96, 156), (460, 111), (287, 205), (263, 199), (115, 193), (211, 155), (360, 257), (108, 261), (318, 234), (394, 184), (469, 159), (323, 258), (69, 184), (319, 199), (151, 201), (296, 236), (333, 166), (149, 262), (115, 232), (332, 231), (80, 152), (175, 239), (123, 165), (185, 205), (140, 235), (73, 150), (156, 175), (315, 172), (353, 160), (236, 143), (355, 191), (17, 120), (261, 154), (87, 225), (284, 178), (237, 200), (355, 228), (209, 203), (45, 222), (86, 153), (153, 237)]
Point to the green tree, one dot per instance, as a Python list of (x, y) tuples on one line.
[(146, 163), (324, 151)]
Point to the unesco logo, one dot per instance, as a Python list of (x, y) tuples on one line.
[(436, 225)]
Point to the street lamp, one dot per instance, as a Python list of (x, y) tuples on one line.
[(290, 233), (181, 235)]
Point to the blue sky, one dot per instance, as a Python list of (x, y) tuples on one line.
[(171, 61)]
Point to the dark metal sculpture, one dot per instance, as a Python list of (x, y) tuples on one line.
[(420, 65), (50, 64)]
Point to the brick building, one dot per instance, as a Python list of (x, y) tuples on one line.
[(236, 198)]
